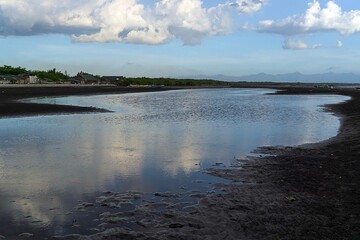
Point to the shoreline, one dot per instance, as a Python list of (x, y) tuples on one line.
[(310, 191), (11, 107)]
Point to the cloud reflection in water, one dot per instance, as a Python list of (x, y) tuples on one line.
[(152, 142)]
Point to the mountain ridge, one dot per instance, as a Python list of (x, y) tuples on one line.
[(329, 77)]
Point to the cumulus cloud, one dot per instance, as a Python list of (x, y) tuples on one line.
[(291, 44), (28, 17), (297, 44), (316, 19), (248, 6), (122, 20)]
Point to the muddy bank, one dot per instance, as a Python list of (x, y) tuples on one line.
[(9, 107)]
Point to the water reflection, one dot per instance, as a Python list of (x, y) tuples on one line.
[(152, 142)]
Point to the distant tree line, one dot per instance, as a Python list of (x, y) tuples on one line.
[(54, 75), (51, 75), (9, 70)]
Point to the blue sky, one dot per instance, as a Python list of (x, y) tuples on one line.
[(173, 38)]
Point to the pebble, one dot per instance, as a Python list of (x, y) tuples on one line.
[(28, 235)]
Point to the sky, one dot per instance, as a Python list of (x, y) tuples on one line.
[(172, 38)]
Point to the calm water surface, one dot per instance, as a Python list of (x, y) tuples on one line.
[(151, 142)]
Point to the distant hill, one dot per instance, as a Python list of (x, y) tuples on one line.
[(329, 77)]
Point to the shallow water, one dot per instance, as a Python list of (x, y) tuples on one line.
[(151, 142)]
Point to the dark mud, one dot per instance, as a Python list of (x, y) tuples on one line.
[(10, 107)]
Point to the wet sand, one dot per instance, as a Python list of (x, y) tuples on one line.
[(305, 192)]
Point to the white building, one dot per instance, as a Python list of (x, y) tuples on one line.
[(33, 79)]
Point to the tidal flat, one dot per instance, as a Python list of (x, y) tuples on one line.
[(180, 169)]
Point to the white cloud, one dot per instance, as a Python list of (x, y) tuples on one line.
[(250, 6), (339, 44), (26, 17), (297, 44), (114, 18), (315, 19), (122, 20), (290, 44)]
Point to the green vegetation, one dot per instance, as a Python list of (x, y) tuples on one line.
[(51, 75), (81, 73), (8, 70), (57, 76)]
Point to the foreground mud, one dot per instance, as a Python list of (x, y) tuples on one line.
[(11, 107)]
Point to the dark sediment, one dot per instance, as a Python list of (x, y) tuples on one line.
[(10, 107)]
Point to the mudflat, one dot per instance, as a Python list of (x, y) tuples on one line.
[(305, 192), (11, 107)]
